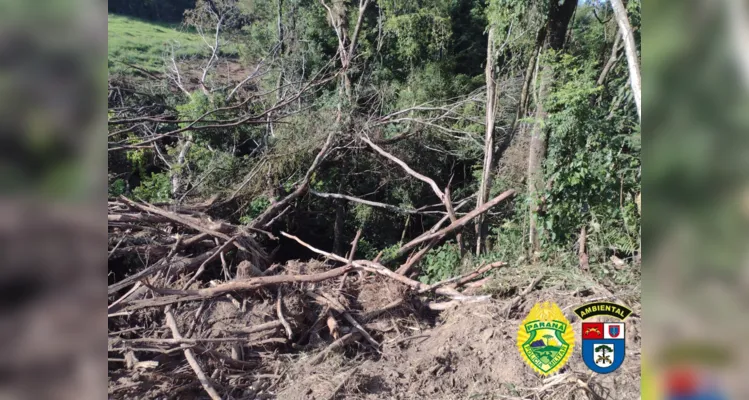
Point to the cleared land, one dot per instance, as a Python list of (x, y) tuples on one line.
[(145, 44)]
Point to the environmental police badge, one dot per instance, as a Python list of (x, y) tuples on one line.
[(603, 342), (603, 346), (545, 338)]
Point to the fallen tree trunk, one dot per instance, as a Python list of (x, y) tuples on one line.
[(254, 283), (177, 267), (461, 222)]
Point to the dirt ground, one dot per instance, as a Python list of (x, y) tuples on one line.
[(466, 352), (470, 353)]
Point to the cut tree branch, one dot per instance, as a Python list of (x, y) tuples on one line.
[(190, 356), (440, 194), (455, 225), (261, 221), (367, 202)]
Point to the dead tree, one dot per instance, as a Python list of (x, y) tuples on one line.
[(620, 13), (486, 175), (338, 15)]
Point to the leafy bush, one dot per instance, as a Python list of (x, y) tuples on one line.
[(117, 188), (257, 206), (153, 189), (508, 241), (592, 164), (440, 263)]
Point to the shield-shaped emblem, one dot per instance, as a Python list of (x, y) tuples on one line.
[(603, 346), (614, 330), (545, 338)]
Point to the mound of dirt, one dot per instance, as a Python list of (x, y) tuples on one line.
[(470, 353)]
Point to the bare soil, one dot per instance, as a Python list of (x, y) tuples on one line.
[(470, 353), (466, 352)]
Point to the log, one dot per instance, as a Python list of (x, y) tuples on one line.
[(259, 328), (462, 221), (441, 306), (254, 283), (190, 356), (177, 267), (475, 274)]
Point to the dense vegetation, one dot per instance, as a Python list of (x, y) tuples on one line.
[(478, 96), (157, 10)]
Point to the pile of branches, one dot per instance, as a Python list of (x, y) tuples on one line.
[(159, 314), (169, 311)]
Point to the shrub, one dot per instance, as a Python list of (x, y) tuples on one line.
[(440, 263), (154, 189)]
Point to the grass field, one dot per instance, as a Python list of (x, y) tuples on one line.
[(145, 44)]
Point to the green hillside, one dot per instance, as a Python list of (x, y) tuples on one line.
[(145, 44)]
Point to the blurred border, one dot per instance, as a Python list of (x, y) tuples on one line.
[(696, 194), (53, 76)]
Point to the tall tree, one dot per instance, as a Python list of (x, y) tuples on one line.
[(486, 177), (620, 13), (557, 21), (338, 14)]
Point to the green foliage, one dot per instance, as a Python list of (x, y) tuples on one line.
[(366, 250), (214, 170), (117, 188), (256, 207), (507, 240), (592, 165), (440, 263), (362, 213), (419, 35), (389, 252), (137, 159), (155, 188), (197, 105)]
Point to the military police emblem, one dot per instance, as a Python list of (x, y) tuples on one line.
[(603, 342), (545, 338)]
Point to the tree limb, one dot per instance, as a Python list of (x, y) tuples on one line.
[(207, 386), (268, 214), (390, 207), (455, 225), (440, 194)]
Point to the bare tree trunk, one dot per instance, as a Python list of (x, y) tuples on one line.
[(279, 82), (536, 157), (620, 13), (557, 21), (486, 176), (340, 214), (611, 61), (582, 254), (282, 48), (738, 24), (177, 171), (338, 14), (529, 73)]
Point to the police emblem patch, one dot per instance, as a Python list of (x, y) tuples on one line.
[(603, 343), (603, 346), (545, 338)]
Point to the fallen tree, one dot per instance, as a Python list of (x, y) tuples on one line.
[(195, 265)]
